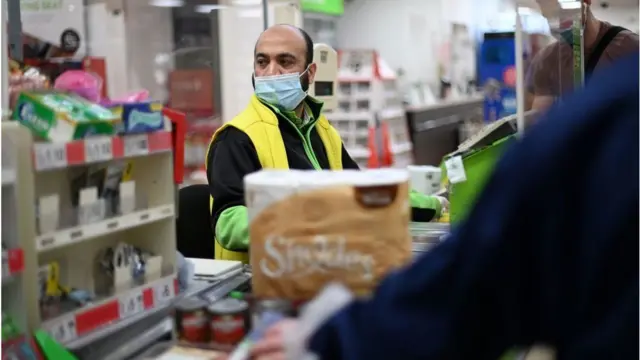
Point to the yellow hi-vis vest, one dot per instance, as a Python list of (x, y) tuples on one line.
[(261, 125)]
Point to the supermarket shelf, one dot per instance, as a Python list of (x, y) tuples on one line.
[(49, 156), (12, 263), (82, 233), (8, 177), (145, 340), (95, 321)]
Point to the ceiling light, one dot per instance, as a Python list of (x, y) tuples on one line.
[(167, 3), (571, 5), (205, 9), (246, 2)]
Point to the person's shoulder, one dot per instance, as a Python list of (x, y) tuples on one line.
[(230, 135), (628, 38), (624, 43), (548, 52)]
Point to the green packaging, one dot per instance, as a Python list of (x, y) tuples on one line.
[(60, 117), (478, 165)]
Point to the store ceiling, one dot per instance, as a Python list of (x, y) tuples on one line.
[(617, 3)]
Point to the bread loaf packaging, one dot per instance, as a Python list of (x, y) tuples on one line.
[(309, 228)]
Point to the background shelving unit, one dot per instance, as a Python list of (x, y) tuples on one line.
[(51, 229), (13, 281), (368, 90)]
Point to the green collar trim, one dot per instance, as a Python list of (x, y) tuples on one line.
[(312, 110)]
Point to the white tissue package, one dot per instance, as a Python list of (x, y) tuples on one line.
[(425, 179), (310, 228)]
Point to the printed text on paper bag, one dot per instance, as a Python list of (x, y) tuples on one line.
[(286, 257)]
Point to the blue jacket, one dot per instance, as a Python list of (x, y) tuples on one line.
[(549, 255)]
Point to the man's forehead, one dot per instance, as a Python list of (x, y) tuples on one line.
[(279, 39)]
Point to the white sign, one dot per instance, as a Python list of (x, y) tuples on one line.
[(98, 149), (136, 145), (64, 329), (455, 170), (131, 304), (163, 293), (50, 156), (60, 22)]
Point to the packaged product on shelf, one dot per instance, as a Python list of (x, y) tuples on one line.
[(24, 79), (59, 117), (229, 322), (81, 83), (191, 320), (106, 179), (9, 328), (349, 226), (140, 117), (56, 297)]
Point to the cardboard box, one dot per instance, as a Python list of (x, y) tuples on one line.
[(60, 117)]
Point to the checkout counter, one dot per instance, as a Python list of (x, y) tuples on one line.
[(435, 129)]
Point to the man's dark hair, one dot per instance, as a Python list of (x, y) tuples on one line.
[(307, 41)]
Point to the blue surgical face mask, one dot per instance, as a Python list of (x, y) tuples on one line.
[(284, 91)]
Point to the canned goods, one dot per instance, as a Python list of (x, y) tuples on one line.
[(281, 307), (229, 322), (191, 320)]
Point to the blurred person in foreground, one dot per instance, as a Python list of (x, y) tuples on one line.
[(550, 74), (282, 128), (536, 262)]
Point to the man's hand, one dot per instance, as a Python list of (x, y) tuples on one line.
[(271, 346), (444, 203)]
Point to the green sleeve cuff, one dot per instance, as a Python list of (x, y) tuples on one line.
[(422, 201), (232, 229)]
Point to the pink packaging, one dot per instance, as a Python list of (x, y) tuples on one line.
[(80, 82)]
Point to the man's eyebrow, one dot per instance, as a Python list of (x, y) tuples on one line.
[(286, 55), (261, 55)]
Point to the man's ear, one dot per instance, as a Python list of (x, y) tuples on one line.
[(312, 72)]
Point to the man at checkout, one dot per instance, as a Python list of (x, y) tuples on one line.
[(550, 75), (281, 128)]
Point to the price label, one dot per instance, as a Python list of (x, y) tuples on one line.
[(50, 156), (164, 293), (64, 330), (131, 305), (455, 170), (136, 145), (98, 149)]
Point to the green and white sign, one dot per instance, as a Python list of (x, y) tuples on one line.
[(329, 7)]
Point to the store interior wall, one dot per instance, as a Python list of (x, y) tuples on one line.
[(137, 44), (625, 16), (413, 35)]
